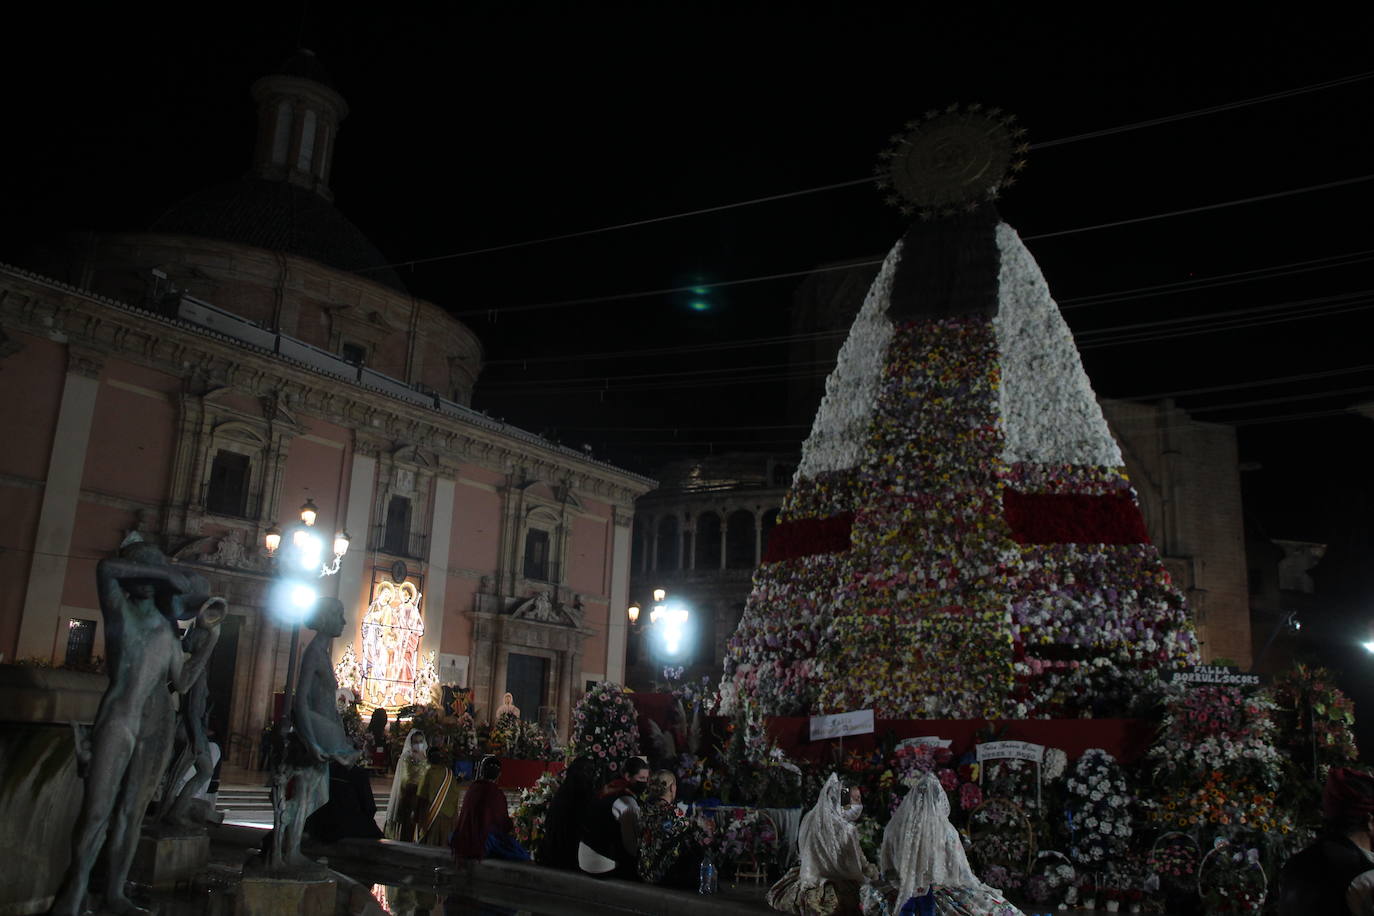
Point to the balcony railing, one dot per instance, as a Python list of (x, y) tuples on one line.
[(410, 545), (541, 572)]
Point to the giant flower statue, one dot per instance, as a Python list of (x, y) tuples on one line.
[(960, 539)]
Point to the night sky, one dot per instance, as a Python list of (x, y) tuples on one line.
[(507, 122)]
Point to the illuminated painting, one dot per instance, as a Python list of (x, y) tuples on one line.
[(391, 635)]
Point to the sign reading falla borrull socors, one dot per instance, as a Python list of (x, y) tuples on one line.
[(1216, 675)]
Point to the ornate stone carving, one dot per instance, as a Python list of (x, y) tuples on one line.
[(84, 361), (541, 608)]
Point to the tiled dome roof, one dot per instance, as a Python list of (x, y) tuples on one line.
[(279, 216)]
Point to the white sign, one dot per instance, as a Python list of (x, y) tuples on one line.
[(1011, 750), (925, 741), (841, 724), (453, 670)]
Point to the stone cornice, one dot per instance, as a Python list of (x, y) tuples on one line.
[(48, 308)]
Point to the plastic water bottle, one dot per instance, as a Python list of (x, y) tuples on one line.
[(708, 876)]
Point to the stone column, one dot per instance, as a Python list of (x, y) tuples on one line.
[(437, 580), (692, 544), (263, 675), (617, 622), (357, 519), (724, 534), (40, 625), (758, 540), (653, 545), (565, 679), (498, 677)]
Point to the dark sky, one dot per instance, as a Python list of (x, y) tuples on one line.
[(506, 122)]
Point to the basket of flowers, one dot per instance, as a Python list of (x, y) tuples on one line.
[(748, 837), (1230, 879), (1051, 875)]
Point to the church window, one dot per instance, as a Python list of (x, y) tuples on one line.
[(80, 641), (537, 555), (739, 540), (307, 142), (708, 541), (669, 543), (281, 135), (396, 536), (227, 493), (354, 353)]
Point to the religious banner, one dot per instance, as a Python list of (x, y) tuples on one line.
[(841, 724), (391, 631)]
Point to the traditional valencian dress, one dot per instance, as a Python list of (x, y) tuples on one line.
[(832, 866), (436, 806), (924, 866), (405, 787)]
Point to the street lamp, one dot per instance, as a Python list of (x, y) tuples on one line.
[(296, 568), (666, 622)]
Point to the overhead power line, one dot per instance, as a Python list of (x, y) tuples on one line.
[(1046, 144), (493, 312), (1162, 289), (1137, 332)]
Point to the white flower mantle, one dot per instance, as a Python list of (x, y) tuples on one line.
[(1049, 412), (840, 429)]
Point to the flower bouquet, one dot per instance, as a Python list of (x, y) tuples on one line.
[(528, 817), (1099, 810), (604, 729)]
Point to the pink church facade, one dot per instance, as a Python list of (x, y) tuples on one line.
[(197, 387)]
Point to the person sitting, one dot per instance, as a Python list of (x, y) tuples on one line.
[(610, 829), (832, 863), (1335, 874), (436, 802), (924, 864), (563, 819), (671, 846), (410, 770), (351, 810), (484, 828)]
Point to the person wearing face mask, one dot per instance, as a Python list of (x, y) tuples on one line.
[(1335, 875), (610, 829), (832, 866)]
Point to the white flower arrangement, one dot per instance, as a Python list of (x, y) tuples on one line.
[(839, 431), (1099, 806), (1049, 412)]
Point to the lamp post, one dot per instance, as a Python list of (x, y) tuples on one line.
[(300, 563), (667, 623)]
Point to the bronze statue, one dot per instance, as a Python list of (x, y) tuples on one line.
[(316, 736), (179, 810), (141, 599)]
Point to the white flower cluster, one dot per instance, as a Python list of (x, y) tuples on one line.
[(1049, 412), (851, 391), (1100, 805)]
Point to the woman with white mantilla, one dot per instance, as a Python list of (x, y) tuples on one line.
[(924, 864)]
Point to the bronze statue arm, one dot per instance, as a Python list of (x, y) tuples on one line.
[(211, 613)]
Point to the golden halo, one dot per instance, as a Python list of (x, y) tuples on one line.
[(951, 161)]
